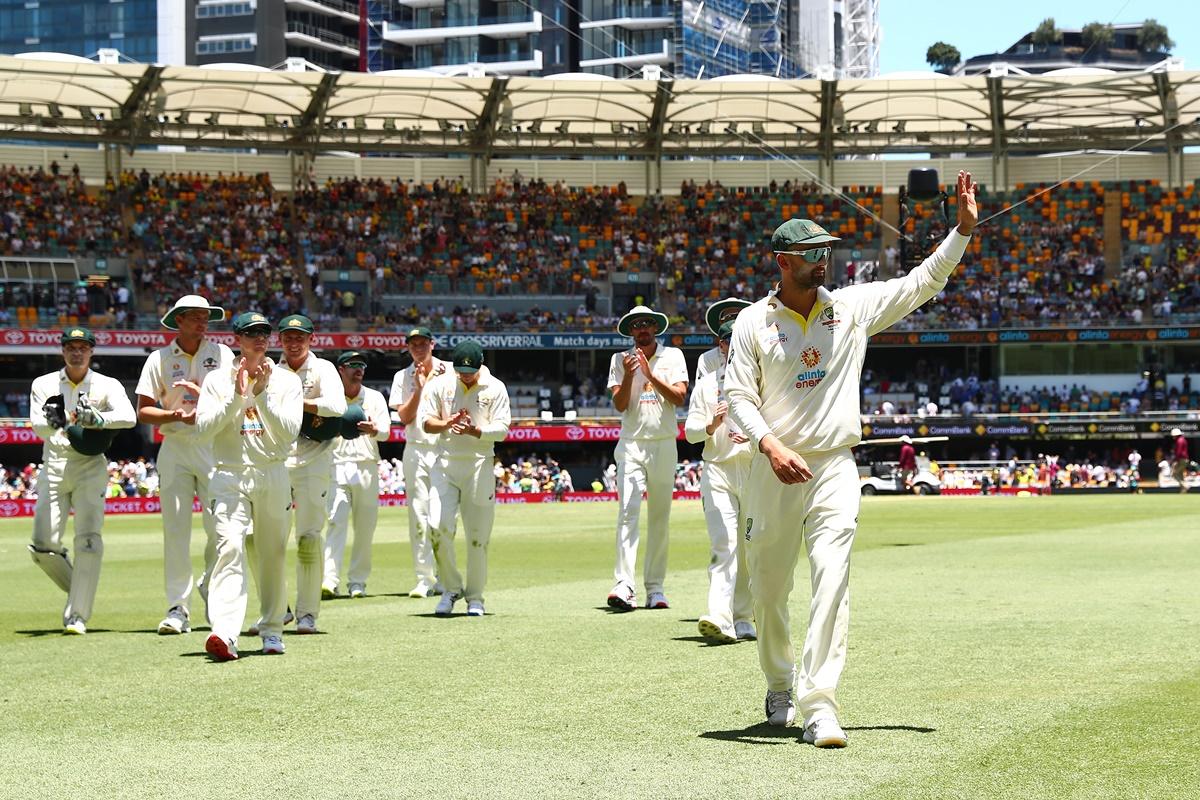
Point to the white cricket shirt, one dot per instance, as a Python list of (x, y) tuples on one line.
[(709, 361), (105, 394), (649, 415), (364, 447), (169, 364), (706, 394), (487, 403), (404, 385), (251, 431), (799, 378), (321, 385)]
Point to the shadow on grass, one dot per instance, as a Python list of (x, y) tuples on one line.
[(616, 611), (700, 640), (432, 615), (33, 634), (762, 733)]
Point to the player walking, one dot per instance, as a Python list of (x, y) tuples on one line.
[(727, 457), (469, 412), (420, 452), (793, 387), (647, 384), (167, 393), (252, 413), (1180, 459), (310, 464), (355, 477), (74, 471)]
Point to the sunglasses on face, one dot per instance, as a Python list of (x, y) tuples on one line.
[(643, 323), (812, 255), (256, 334)]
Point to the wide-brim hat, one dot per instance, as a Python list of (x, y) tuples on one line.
[(188, 302), (641, 311), (1176, 432), (906, 439), (712, 316)]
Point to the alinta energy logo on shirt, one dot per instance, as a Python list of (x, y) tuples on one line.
[(811, 357)]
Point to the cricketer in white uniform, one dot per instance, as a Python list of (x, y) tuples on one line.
[(74, 411), (355, 477), (167, 392), (647, 383), (420, 452), (727, 457), (310, 465), (793, 388), (252, 413), (468, 409), (715, 316)]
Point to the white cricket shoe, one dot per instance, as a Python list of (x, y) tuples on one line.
[(288, 619), (781, 710), (272, 645), (657, 600), (744, 629), (475, 608), (306, 624), (422, 589), (75, 626), (825, 732), (446, 605), (220, 649), (358, 590), (622, 597), (175, 622), (712, 630)]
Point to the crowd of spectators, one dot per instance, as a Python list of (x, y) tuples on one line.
[(531, 474), (245, 243)]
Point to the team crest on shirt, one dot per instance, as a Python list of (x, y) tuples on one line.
[(829, 318)]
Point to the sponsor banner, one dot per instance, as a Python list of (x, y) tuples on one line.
[(19, 436), (1003, 490), (151, 505), (1037, 336), (552, 433), (606, 340)]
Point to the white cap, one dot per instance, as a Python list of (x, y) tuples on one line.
[(906, 439), (189, 301), (1176, 432)]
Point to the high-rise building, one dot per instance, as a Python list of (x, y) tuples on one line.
[(837, 38), (325, 33), (147, 31)]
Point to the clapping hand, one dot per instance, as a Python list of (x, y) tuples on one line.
[(462, 424), (262, 375)]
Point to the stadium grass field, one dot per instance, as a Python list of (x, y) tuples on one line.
[(999, 648)]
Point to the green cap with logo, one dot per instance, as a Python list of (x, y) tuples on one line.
[(799, 233), (725, 331), (296, 322), (352, 358), (249, 320), (420, 330), (78, 335), (467, 356)]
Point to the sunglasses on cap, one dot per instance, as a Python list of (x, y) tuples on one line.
[(812, 255)]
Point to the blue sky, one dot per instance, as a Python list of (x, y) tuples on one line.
[(910, 26)]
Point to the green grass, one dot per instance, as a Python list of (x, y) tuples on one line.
[(999, 648)]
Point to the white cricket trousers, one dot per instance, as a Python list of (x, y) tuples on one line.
[(355, 496), (252, 502), (644, 465), (821, 515), (184, 466), (721, 487), (61, 486), (466, 486), (418, 461), (310, 499)]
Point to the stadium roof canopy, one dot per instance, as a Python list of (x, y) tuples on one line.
[(138, 105)]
